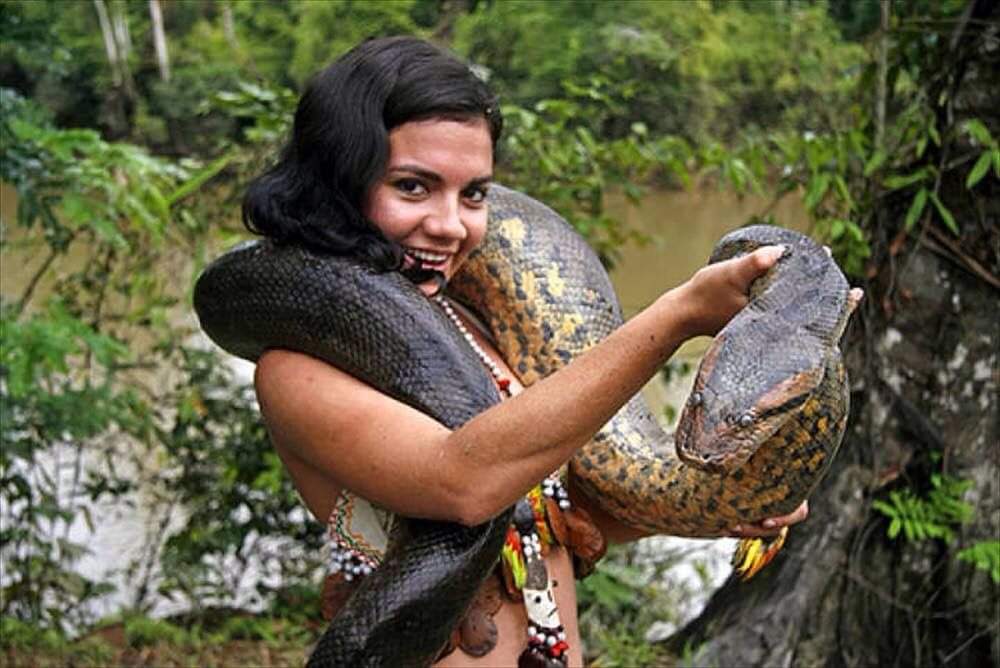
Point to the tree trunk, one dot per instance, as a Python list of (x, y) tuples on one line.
[(159, 39), (119, 102), (923, 359), (123, 41), (885, 8), (110, 45)]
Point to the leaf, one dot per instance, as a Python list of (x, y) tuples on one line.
[(845, 193), (916, 208), (898, 181), (979, 169), (975, 128), (198, 179), (984, 555), (24, 130), (884, 508), (932, 131), (878, 157), (946, 216), (837, 227), (816, 190)]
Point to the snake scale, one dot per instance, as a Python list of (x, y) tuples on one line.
[(766, 416)]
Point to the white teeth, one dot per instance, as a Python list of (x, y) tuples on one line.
[(427, 256)]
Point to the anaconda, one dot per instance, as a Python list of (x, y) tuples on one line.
[(760, 429)]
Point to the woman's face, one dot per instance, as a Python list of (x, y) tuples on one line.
[(432, 198)]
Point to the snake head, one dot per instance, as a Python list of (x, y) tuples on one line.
[(730, 413)]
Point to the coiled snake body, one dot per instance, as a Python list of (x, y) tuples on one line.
[(766, 415)]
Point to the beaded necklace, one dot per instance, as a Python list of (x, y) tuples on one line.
[(503, 383), (358, 536), (523, 549)]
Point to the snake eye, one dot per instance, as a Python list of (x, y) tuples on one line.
[(696, 399), (746, 420)]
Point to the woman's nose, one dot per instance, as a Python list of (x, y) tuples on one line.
[(446, 221)]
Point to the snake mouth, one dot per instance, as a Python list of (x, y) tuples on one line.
[(716, 449)]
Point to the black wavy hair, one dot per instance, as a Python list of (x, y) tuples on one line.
[(339, 146)]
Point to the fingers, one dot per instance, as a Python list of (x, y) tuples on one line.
[(854, 298), (765, 257), (756, 263), (771, 526)]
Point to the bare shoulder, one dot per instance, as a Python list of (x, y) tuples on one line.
[(324, 422), (277, 366), (290, 384)]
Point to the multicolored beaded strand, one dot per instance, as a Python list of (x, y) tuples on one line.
[(547, 646)]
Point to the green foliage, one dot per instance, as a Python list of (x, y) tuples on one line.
[(600, 97), (23, 643), (692, 69), (826, 169), (611, 601), (325, 30), (552, 154), (68, 388), (59, 391), (631, 588), (932, 516), (990, 152), (21, 636), (265, 113), (51, 50), (142, 631), (242, 506), (621, 649), (984, 555)]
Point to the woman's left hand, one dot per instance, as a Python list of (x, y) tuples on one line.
[(772, 525)]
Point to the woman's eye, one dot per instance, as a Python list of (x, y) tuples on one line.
[(476, 194), (411, 187)]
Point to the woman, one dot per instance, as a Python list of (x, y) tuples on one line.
[(390, 160)]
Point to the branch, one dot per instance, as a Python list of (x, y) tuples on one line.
[(33, 283), (885, 8), (963, 21), (947, 248)]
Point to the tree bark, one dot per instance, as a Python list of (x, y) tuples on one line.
[(110, 45), (119, 102), (923, 359), (159, 39), (885, 8)]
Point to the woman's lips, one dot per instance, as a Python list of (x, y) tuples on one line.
[(430, 260)]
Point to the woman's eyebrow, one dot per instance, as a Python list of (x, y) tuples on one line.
[(434, 177), (417, 171), (480, 180)]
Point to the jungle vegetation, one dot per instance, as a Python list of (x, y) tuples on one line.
[(129, 129)]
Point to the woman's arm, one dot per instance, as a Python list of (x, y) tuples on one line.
[(334, 431)]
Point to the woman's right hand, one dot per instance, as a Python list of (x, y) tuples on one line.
[(717, 292)]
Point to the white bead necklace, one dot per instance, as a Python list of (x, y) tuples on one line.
[(502, 382)]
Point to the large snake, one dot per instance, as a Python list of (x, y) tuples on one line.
[(761, 427)]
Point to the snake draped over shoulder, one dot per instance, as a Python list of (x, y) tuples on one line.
[(756, 435)]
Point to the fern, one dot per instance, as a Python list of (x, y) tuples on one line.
[(985, 555), (933, 516)]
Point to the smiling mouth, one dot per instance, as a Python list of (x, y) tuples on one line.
[(427, 259)]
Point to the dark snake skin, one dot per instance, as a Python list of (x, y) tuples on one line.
[(546, 299)]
